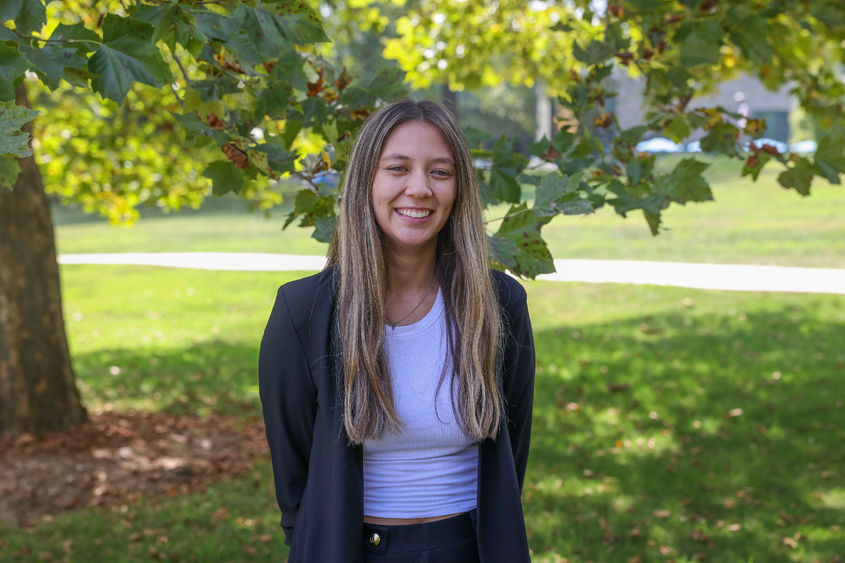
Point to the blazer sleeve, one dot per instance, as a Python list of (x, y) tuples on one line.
[(518, 378), (289, 403)]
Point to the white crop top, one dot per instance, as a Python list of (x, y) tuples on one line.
[(430, 468)]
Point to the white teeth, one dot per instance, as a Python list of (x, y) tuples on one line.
[(416, 214)]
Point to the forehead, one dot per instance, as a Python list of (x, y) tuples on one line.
[(416, 139)]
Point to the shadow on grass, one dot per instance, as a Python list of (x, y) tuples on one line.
[(714, 437), (708, 436), (234, 520), (214, 376)]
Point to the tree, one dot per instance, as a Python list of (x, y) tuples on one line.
[(246, 93), (680, 48), (250, 89), (37, 387)]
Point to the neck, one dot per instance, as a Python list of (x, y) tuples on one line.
[(410, 271)]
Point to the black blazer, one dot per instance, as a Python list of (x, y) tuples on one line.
[(319, 476)]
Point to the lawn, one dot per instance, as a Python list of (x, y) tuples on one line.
[(749, 223), (669, 424)]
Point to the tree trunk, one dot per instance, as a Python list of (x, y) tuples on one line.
[(37, 387)]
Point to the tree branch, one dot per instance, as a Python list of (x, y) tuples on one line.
[(178, 99), (181, 68)]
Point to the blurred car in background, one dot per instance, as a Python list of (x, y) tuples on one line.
[(804, 147), (659, 145)]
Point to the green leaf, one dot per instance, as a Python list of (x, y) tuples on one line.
[(278, 159), (311, 207), (272, 101), (298, 21), (9, 171), (128, 55), (798, 177), (504, 186), (594, 53), (557, 194), (830, 158), (686, 182), (562, 141), (630, 137), (197, 127), (537, 148), (12, 67), (677, 128), (288, 69), (754, 165), (224, 177), (324, 228), (653, 220), (49, 64), (29, 15), (722, 139), (507, 164), (216, 88), (752, 35), (518, 246), (59, 59), (13, 141), (386, 83), (84, 39), (625, 201), (239, 32), (173, 25), (701, 44)]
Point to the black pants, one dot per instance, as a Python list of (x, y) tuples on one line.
[(452, 540)]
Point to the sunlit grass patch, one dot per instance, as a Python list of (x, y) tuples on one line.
[(669, 423), (701, 415)]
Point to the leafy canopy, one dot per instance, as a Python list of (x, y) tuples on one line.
[(158, 101)]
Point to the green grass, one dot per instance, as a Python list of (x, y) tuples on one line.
[(751, 223), (183, 528), (668, 422)]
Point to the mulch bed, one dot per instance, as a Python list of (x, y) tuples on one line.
[(119, 456)]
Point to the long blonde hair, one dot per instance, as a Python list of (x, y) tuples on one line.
[(357, 254)]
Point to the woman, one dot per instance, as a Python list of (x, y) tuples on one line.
[(397, 384)]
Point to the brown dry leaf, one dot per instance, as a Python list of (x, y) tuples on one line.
[(635, 559), (67, 546), (251, 550), (265, 538), (220, 513), (789, 542), (662, 513), (665, 550), (88, 461), (698, 535), (236, 155), (735, 527)]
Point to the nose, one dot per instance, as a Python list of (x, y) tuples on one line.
[(417, 185)]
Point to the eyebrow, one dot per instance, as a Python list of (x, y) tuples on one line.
[(397, 156)]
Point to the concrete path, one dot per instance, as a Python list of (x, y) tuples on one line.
[(698, 276)]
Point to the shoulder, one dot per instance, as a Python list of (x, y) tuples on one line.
[(512, 296), (305, 297)]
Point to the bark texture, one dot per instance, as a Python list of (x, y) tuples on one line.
[(38, 391)]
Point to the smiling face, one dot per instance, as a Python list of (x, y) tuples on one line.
[(414, 187)]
